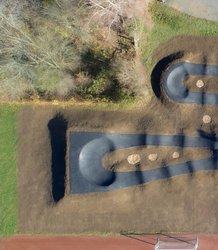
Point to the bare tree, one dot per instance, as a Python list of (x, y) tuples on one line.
[(24, 50), (118, 14), (110, 12), (43, 46)]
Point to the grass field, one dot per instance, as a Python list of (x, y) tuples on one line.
[(8, 192)]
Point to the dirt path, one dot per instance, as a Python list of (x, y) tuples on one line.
[(206, 242), (190, 200)]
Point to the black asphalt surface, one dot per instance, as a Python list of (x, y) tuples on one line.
[(88, 148), (174, 87)]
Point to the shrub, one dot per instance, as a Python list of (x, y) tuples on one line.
[(132, 78), (53, 84)]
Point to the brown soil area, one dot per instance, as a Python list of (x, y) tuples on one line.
[(180, 204), (196, 49), (190, 200), (131, 242), (210, 84), (117, 161)]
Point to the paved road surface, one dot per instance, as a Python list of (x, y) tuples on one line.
[(206, 9)]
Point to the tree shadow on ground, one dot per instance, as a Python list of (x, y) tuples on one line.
[(104, 84), (94, 63), (57, 129)]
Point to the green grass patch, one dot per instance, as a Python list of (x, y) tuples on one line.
[(8, 188), (169, 23)]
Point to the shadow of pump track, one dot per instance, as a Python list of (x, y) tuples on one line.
[(57, 130), (158, 70)]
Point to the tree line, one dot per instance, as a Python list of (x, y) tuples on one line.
[(63, 49)]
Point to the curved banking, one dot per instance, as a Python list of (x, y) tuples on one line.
[(174, 87)]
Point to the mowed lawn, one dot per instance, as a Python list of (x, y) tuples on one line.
[(8, 189)]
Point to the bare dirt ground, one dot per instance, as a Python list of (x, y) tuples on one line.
[(181, 204), (132, 242), (118, 160), (210, 84)]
